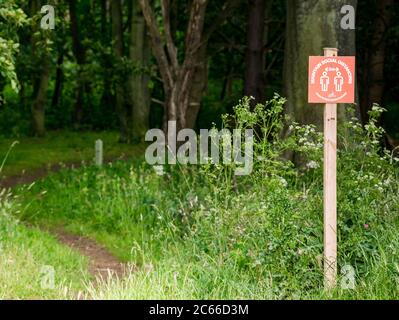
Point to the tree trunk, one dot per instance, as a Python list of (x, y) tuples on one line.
[(254, 62), (117, 35), (183, 82), (198, 88), (80, 56), (59, 78), (311, 26), (373, 86), (179, 96), (139, 91), (106, 98), (40, 82), (39, 102)]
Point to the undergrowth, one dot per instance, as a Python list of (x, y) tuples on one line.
[(201, 232)]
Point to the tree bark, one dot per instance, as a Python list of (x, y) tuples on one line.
[(106, 98), (311, 26), (40, 81), (198, 88), (80, 56), (183, 82), (254, 62), (117, 35), (373, 84), (138, 83), (177, 78), (39, 102), (59, 78)]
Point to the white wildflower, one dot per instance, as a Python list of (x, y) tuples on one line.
[(283, 182), (312, 165), (159, 170)]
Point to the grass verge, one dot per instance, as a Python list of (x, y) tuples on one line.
[(203, 233), (33, 265), (32, 153)]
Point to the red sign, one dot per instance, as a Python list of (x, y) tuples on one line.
[(331, 79)]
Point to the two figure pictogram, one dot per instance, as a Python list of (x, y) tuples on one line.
[(325, 81), (331, 79)]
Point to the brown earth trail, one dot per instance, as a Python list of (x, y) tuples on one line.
[(102, 264)]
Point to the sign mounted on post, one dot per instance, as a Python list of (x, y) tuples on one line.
[(331, 79)]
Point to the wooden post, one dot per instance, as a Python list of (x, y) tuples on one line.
[(99, 153), (330, 189)]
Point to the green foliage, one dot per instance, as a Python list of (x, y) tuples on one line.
[(204, 233), (11, 19), (61, 147), (25, 251), (12, 122)]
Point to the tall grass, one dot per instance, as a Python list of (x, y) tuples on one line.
[(201, 232), (26, 255)]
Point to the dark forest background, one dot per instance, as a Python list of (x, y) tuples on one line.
[(105, 67), (112, 69)]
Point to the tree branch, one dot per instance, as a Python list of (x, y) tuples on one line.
[(157, 44), (228, 7), (172, 51), (195, 29)]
